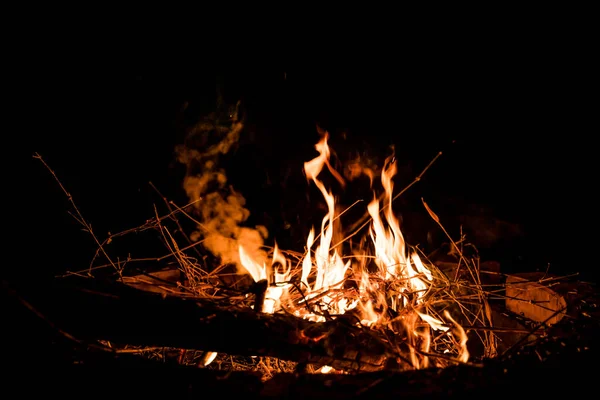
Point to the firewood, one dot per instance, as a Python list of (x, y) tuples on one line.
[(90, 311)]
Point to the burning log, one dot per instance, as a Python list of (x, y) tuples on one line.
[(91, 311), (566, 351)]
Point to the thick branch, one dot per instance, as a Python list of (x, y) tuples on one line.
[(90, 310)]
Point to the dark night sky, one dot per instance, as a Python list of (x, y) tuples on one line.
[(522, 145)]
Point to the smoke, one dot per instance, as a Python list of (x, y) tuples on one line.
[(219, 209)]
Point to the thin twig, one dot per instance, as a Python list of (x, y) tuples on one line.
[(79, 218)]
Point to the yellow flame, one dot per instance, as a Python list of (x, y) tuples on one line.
[(306, 262), (390, 247), (435, 323), (330, 269), (257, 272), (463, 353)]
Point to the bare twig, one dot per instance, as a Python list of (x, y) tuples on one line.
[(79, 216)]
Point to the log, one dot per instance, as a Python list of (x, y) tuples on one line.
[(568, 350), (91, 310), (147, 379)]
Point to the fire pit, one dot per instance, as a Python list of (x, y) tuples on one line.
[(349, 314)]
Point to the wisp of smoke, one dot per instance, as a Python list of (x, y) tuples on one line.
[(219, 208)]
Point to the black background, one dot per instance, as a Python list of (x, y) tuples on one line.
[(511, 119)]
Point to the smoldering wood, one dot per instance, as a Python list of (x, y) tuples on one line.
[(260, 292), (508, 330), (150, 379), (94, 310), (91, 310), (561, 359)]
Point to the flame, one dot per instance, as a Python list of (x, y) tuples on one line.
[(330, 269), (390, 248), (277, 282), (463, 353), (324, 271)]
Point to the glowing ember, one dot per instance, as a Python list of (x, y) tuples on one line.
[(399, 286)]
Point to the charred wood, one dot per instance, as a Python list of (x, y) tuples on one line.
[(90, 310), (558, 362)]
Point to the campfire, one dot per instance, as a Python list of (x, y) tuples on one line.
[(391, 292), (346, 303)]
